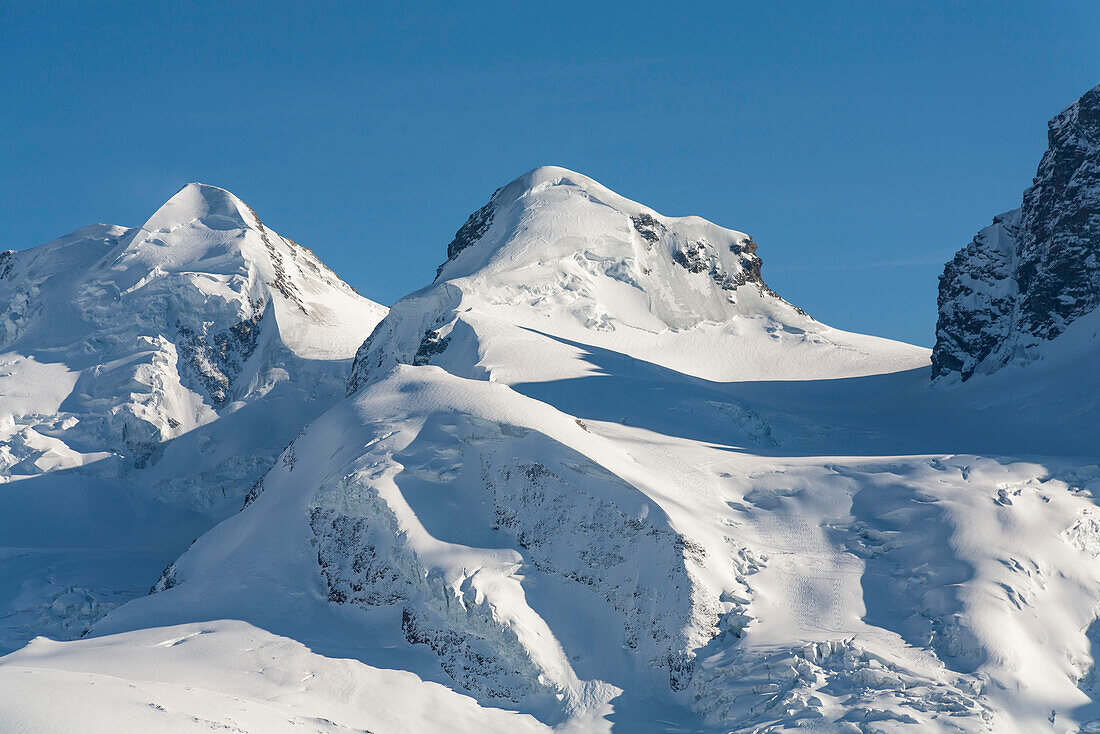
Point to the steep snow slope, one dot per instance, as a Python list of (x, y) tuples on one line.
[(148, 378), (1010, 295)]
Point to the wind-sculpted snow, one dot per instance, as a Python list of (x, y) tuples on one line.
[(548, 561), (168, 360), (575, 521), (534, 508), (599, 477), (364, 560)]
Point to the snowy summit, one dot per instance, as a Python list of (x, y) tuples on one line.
[(149, 377)]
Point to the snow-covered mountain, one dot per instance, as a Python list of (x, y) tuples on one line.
[(1017, 291), (148, 378), (555, 253), (599, 477)]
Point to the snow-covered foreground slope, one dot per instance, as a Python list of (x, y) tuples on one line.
[(600, 475), (491, 542), (224, 676), (148, 379)]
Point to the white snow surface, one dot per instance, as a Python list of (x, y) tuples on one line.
[(250, 681), (592, 488)]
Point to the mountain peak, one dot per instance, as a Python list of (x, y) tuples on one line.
[(215, 207), (1079, 123), (1029, 276), (566, 232), (555, 252), (162, 329), (544, 177)]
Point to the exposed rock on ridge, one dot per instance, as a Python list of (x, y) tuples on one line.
[(554, 241)]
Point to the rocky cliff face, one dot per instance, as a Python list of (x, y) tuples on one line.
[(1034, 271)]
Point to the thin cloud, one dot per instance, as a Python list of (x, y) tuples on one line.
[(834, 266)]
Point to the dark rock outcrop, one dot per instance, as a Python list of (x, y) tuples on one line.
[(213, 360), (431, 345), (469, 233), (1034, 271), (648, 227), (976, 299)]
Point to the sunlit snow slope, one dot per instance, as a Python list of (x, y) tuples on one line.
[(148, 379), (599, 477)]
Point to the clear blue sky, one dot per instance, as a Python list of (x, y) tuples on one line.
[(861, 147)]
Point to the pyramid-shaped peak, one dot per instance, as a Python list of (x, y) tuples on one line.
[(215, 207)]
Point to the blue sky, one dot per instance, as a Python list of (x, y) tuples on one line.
[(861, 144)]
